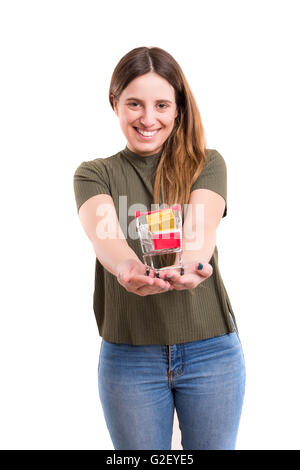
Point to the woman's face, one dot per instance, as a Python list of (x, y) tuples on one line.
[(147, 104)]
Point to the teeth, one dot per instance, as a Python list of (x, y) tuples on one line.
[(146, 134)]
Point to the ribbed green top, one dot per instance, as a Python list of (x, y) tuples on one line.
[(171, 317)]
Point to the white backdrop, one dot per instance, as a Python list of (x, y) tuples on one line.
[(242, 62)]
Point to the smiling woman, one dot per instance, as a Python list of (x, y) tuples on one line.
[(146, 118), (165, 343)]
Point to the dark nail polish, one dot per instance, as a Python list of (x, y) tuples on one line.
[(200, 266)]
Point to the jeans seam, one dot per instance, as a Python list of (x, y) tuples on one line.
[(238, 336), (100, 355)]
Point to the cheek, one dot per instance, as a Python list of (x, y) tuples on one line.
[(127, 124), (169, 123), (126, 117)]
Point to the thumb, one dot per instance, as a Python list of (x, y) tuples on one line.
[(122, 276), (204, 269)]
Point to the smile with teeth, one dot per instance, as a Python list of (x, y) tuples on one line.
[(145, 133)]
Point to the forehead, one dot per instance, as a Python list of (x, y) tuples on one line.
[(150, 86)]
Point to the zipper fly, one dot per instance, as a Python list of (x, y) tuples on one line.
[(170, 372)]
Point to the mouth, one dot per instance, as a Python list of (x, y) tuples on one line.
[(146, 135)]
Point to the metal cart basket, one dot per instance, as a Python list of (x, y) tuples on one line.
[(160, 232)]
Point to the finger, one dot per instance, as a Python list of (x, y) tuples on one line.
[(178, 286), (155, 289), (168, 273), (149, 272), (160, 283), (137, 280), (173, 276), (160, 286), (187, 281)]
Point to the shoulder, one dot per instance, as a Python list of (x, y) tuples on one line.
[(213, 155), (99, 164), (214, 163), (213, 174)]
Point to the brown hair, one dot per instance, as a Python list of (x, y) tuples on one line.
[(183, 152)]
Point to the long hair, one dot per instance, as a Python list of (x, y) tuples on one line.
[(183, 152)]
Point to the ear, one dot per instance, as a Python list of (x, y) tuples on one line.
[(115, 104)]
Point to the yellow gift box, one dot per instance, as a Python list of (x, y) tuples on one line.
[(161, 220)]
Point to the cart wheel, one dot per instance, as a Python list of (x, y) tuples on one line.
[(156, 274), (181, 271)]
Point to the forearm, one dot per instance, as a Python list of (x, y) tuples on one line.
[(200, 248), (111, 252), (100, 222)]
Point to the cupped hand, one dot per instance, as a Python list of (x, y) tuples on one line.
[(131, 275), (191, 278)]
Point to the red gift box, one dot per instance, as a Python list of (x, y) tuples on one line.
[(165, 240)]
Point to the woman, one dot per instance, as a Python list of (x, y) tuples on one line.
[(169, 341)]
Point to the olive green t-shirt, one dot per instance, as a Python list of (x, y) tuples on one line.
[(171, 317)]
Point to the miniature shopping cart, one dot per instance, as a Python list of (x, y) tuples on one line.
[(160, 232)]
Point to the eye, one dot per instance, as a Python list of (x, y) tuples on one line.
[(161, 105)]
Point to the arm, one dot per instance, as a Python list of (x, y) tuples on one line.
[(100, 222), (203, 216)]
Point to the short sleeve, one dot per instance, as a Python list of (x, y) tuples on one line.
[(89, 179), (213, 176)]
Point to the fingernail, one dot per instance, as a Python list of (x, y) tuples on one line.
[(200, 266)]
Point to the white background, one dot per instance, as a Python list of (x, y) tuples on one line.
[(241, 60)]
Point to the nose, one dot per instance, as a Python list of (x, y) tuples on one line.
[(147, 118)]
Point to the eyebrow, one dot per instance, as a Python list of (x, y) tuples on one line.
[(137, 99)]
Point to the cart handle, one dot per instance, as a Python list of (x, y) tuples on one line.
[(176, 207)]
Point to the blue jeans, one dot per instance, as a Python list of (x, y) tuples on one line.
[(140, 386)]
